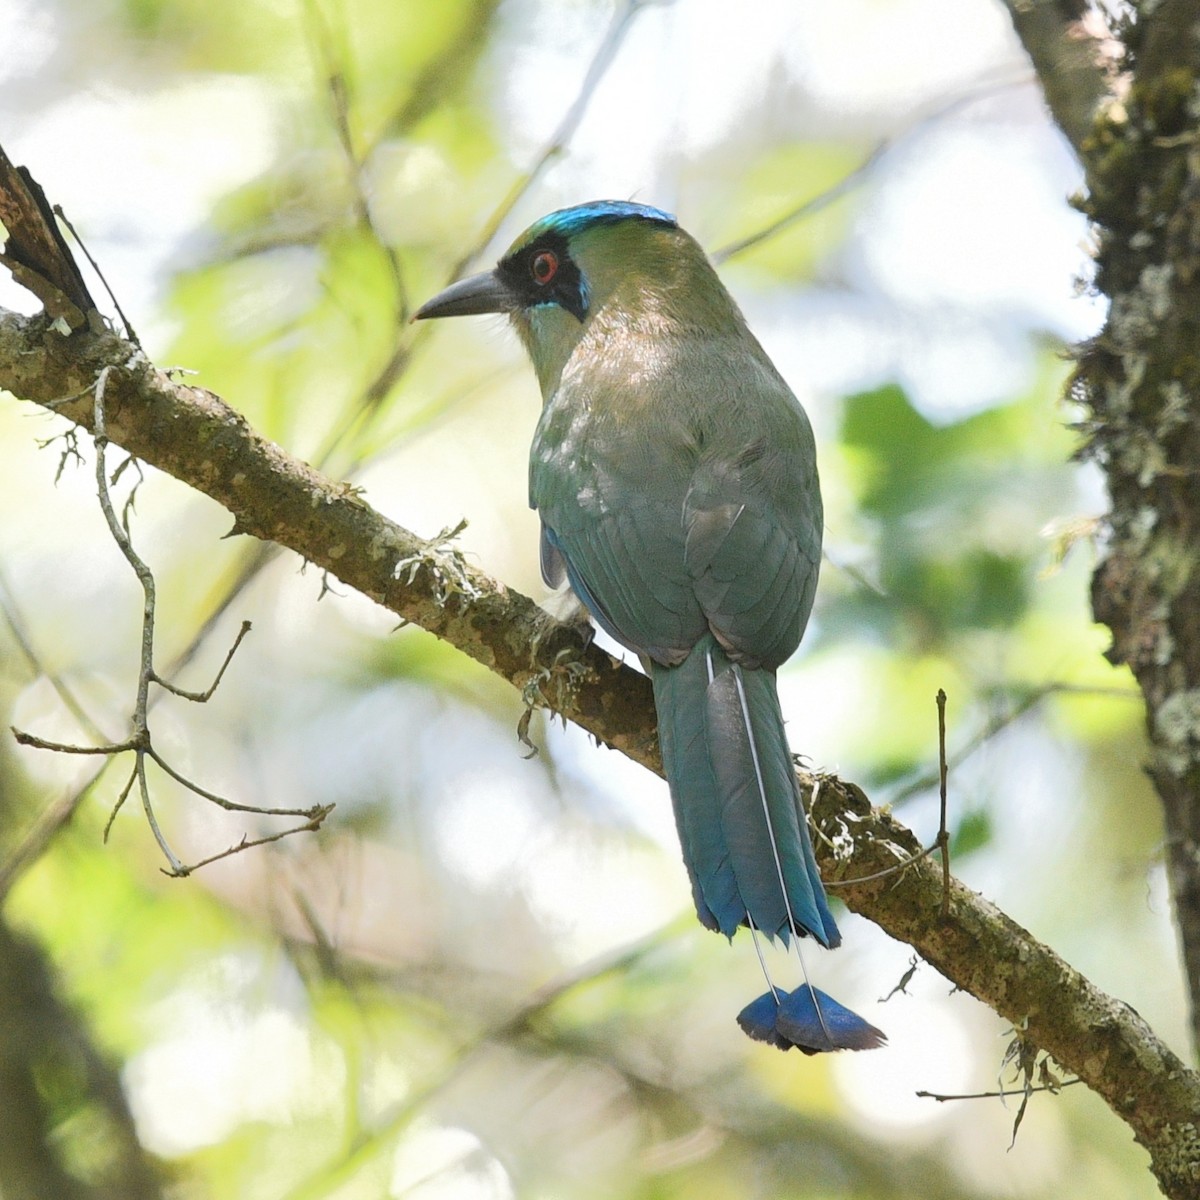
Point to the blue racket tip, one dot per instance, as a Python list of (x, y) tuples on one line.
[(808, 1019), (757, 1021)]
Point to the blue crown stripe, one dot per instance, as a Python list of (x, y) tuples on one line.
[(570, 221)]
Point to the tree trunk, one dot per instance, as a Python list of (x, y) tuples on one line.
[(1140, 384)]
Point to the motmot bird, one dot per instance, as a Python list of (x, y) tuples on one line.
[(675, 476)]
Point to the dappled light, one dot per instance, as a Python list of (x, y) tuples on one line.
[(443, 944)]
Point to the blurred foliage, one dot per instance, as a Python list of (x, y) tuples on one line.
[(932, 492), (778, 180), (480, 979)]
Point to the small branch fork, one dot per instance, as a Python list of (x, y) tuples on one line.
[(1022, 1055), (139, 741), (940, 843)]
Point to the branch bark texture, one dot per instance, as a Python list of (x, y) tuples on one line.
[(192, 434)]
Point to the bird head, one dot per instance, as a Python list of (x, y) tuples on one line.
[(568, 268)]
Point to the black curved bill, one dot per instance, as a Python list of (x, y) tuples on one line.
[(483, 293)]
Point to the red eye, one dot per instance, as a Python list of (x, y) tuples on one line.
[(544, 266)]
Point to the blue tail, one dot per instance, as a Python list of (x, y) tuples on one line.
[(736, 800), (745, 843), (809, 1020)]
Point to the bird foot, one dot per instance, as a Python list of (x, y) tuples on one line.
[(565, 608)]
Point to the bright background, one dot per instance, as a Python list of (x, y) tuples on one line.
[(358, 1013)]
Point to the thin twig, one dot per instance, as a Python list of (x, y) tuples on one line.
[(205, 696), (139, 739), (52, 819), (15, 621), (60, 401), (222, 802), (943, 837), (124, 543), (129, 330), (121, 798), (559, 140), (995, 725), (151, 819), (823, 200), (247, 843), (900, 866), (130, 505), (1000, 1095), (941, 842), (904, 980), (70, 441), (261, 554), (107, 749)]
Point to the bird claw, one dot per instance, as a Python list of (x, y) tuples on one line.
[(558, 683), (564, 607)]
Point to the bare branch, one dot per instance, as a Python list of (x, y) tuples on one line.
[(904, 980), (119, 529), (139, 771), (874, 876), (247, 843), (1026, 701), (70, 452), (1055, 1088), (108, 749), (230, 805), (205, 696), (121, 798), (139, 740)]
